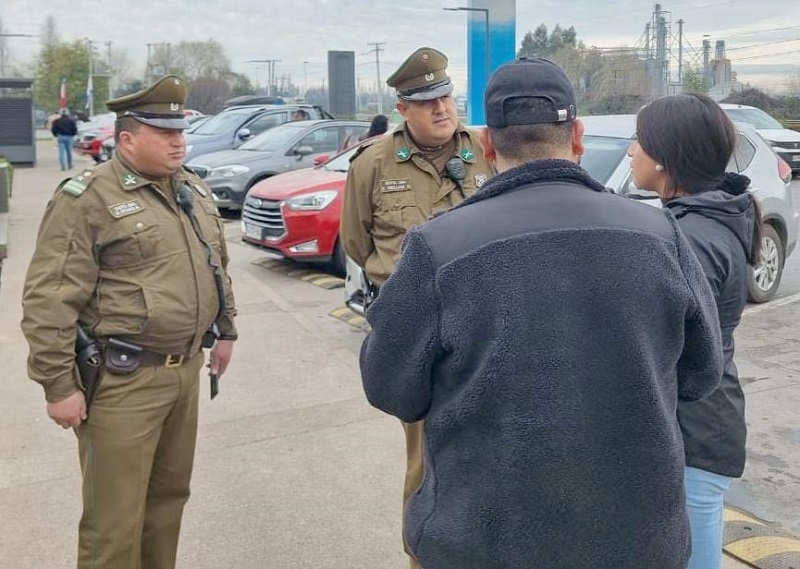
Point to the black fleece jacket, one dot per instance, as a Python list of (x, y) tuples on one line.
[(543, 329)]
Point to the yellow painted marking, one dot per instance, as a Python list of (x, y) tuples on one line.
[(340, 312), (752, 549), (357, 321), (297, 273), (324, 280), (309, 276), (737, 516)]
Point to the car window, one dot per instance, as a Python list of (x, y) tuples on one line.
[(756, 117), (322, 140), (265, 122), (743, 154), (276, 138), (602, 155), (222, 122)]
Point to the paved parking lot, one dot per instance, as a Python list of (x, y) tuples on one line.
[(294, 469)]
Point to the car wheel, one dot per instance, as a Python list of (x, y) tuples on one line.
[(766, 277), (103, 156), (338, 259)]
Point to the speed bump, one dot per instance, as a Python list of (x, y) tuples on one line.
[(346, 315), (752, 541), (293, 270)]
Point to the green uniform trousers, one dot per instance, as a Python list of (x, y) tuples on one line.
[(136, 453)]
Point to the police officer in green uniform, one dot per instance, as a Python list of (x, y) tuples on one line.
[(428, 164), (133, 252)]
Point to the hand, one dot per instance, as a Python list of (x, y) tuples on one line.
[(220, 356), (69, 412)]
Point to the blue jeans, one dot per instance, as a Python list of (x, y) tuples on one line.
[(705, 492), (65, 151)]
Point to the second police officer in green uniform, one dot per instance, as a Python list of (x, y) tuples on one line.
[(134, 252), (428, 164)]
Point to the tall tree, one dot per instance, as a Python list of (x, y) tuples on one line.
[(69, 61), (191, 59)]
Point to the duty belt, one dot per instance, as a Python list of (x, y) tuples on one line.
[(148, 358)]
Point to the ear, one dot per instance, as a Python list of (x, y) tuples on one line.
[(125, 139), (401, 108), (488, 146), (577, 138)]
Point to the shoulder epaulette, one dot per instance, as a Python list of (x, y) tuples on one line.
[(77, 186), (364, 145)]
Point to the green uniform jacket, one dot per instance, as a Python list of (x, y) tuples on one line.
[(392, 187), (116, 253)]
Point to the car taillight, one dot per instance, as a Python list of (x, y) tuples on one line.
[(784, 171)]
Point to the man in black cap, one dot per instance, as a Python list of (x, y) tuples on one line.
[(541, 329), (428, 164), (132, 252)]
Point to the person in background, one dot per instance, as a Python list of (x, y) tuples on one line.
[(378, 126), (64, 130), (300, 115), (134, 253), (428, 164), (684, 143), (544, 330)]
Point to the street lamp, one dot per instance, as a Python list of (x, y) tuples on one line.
[(305, 80), (2, 50), (488, 54)]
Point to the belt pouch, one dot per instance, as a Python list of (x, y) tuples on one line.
[(122, 357)]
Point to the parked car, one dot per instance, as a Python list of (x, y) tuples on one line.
[(296, 215), (93, 135), (606, 141), (784, 141), (290, 146), (235, 125)]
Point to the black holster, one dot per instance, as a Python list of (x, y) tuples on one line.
[(89, 358)]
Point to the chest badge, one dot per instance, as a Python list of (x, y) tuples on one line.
[(480, 179), (129, 180), (124, 209), (200, 190), (403, 153), (467, 154), (388, 186)]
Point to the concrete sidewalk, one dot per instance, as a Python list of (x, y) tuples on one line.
[(293, 469)]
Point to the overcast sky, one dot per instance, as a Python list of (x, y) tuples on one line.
[(304, 30)]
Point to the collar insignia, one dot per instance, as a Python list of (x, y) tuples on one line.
[(129, 180), (467, 154), (403, 154)]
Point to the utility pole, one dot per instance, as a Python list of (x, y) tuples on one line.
[(109, 70), (378, 49), (90, 101), (680, 52), (270, 71)]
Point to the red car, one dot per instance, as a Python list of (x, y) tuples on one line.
[(91, 143), (296, 215)]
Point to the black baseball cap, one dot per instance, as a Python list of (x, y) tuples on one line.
[(535, 78)]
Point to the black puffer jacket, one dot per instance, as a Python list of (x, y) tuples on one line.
[(720, 226)]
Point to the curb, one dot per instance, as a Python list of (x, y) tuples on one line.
[(752, 541)]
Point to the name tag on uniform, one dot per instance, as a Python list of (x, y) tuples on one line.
[(395, 185), (127, 208)]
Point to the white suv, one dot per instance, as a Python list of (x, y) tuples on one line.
[(785, 142)]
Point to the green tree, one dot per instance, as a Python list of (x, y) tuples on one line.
[(242, 86), (693, 80)]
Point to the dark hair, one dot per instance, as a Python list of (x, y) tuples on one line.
[(693, 139), (523, 143), (378, 125), (125, 124), (691, 136)]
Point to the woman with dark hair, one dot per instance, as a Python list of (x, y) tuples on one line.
[(684, 143), (378, 126)]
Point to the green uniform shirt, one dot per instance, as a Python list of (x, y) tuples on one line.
[(392, 187), (116, 253)]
